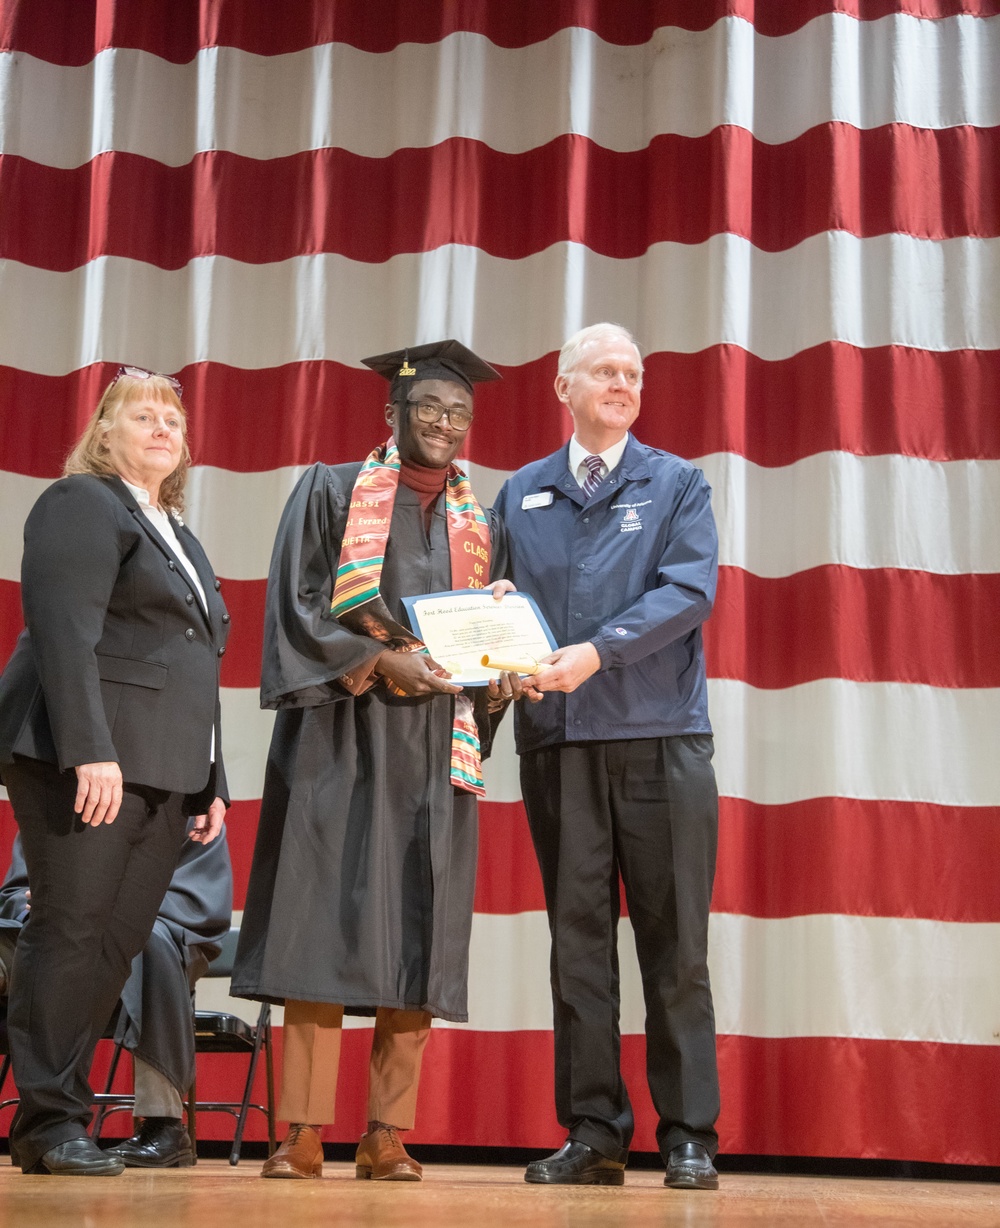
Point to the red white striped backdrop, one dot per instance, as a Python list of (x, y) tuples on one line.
[(796, 207)]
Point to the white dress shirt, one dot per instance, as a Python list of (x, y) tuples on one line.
[(163, 523), (577, 454)]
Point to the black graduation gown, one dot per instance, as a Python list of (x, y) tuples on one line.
[(155, 1022), (362, 884)]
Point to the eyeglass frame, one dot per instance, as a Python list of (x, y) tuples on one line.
[(142, 373), (439, 412)]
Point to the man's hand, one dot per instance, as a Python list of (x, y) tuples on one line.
[(568, 667), (415, 673), (499, 587), (207, 826), (509, 686), (98, 792)]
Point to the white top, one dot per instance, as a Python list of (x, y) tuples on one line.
[(578, 453), (163, 523)]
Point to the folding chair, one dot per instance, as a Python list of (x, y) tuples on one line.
[(214, 1032), (218, 1032)]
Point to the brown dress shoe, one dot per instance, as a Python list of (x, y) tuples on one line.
[(300, 1156), (382, 1157)]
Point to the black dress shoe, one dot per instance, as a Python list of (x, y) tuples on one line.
[(79, 1157), (162, 1142), (690, 1168), (575, 1164)]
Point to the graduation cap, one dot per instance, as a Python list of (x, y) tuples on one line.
[(448, 360)]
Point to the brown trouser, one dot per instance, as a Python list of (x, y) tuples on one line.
[(311, 1040)]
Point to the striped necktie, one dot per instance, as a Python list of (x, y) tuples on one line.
[(593, 480)]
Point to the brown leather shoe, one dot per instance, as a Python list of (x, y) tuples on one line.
[(382, 1157), (300, 1156)]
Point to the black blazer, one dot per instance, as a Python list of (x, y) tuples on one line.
[(118, 660)]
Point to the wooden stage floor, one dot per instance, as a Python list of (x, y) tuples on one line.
[(214, 1195)]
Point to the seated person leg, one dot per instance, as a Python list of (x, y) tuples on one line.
[(8, 940), (159, 1032), (161, 1140)]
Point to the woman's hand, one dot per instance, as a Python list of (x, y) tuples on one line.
[(499, 587), (415, 673), (207, 826), (98, 792)]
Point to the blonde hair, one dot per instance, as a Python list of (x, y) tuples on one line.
[(572, 351), (91, 452)]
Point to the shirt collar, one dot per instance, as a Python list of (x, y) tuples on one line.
[(138, 493), (611, 456), (141, 496)]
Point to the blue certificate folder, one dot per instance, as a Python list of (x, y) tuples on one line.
[(465, 665)]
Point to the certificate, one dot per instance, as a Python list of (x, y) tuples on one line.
[(463, 627)]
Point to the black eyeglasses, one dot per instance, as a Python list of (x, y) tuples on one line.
[(142, 373), (459, 418)]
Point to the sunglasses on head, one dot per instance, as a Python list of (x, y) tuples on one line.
[(142, 373)]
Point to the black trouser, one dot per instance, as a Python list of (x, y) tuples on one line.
[(95, 893), (649, 810)]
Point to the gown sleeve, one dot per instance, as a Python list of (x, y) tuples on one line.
[(198, 906), (307, 652)]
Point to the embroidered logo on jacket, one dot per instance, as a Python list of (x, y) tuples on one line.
[(630, 522)]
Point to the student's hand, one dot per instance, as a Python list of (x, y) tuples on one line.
[(415, 673), (510, 686)]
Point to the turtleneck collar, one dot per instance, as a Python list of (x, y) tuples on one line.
[(423, 480)]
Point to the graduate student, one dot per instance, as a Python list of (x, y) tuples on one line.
[(361, 891)]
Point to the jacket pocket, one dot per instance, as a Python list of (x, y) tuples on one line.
[(136, 673)]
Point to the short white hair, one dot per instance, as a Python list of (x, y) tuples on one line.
[(572, 351)]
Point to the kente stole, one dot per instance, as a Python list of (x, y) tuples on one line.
[(356, 599)]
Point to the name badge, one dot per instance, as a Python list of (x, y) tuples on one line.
[(542, 499)]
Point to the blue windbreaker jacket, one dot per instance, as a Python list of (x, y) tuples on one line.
[(633, 571)]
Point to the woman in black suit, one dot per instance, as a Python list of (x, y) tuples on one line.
[(109, 742)]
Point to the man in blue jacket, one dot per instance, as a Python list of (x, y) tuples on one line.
[(617, 543)]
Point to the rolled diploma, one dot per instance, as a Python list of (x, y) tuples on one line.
[(527, 666)]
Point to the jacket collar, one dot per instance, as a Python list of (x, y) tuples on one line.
[(195, 554), (554, 472)]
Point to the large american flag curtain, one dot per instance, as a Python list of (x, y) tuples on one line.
[(795, 205)]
